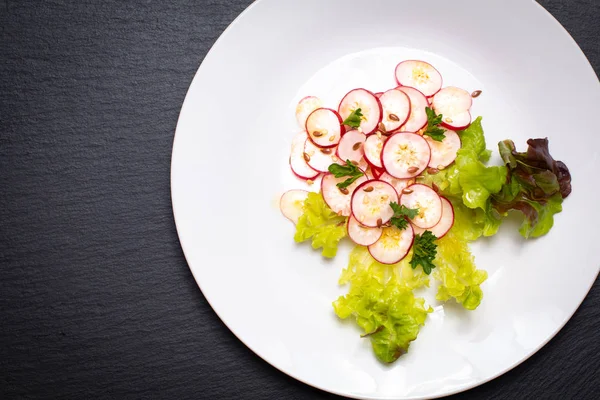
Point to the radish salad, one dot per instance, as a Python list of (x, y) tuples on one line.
[(403, 174)]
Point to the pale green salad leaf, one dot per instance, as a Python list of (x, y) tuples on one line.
[(383, 303), (459, 277), (321, 224)]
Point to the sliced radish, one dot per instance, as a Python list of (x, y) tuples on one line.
[(324, 127), (362, 235), (454, 105), (419, 75), (396, 109), (418, 117), (373, 148), (443, 153), (339, 199), (377, 172), (292, 203), (305, 107), (378, 94), (369, 105), (297, 160), (351, 146), (405, 155), (398, 184), (427, 201), (371, 203), (441, 228), (319, 158), (393, 245)]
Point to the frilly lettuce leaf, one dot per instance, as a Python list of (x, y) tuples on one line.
[(536, 186), (469, 183), (382, 302), (360, 260), (459, 278), (320, 223)]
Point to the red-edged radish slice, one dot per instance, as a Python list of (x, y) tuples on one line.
[(351, 146), (339, 199), (291, 204), (393, 245), (396, 109), (319, 158), (369, 105), (454, 105), (398, 184), (441, 228), (405, 155), (377, 172), (378, 94), (443, 153), (373, 148), (305, 107), (324, 127), (371, 203), (419, 75), (427, 201), (418, 117), (297, 160), (362, 235)]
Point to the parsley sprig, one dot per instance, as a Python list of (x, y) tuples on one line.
[(433, 122), (354, 119), (401, 213), (425, 251), (350, 170)]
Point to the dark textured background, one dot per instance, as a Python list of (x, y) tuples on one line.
[(96, 298)]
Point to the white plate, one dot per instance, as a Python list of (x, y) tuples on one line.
[(230, 166)]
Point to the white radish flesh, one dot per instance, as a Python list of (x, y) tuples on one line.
[(339, 199), (373, 148), (405, 155), (398, 184), (443, 153), (419, 75), (427, 201), (319, 158), (369, 105), (396, 109), (305, 107), (362, 235), (351, 146), (297, 160), (441, 228), (371, 203), (418, 116), (393, 245), (454, 105), (324, 127), (291, 204)]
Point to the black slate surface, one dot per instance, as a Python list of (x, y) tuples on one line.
[(96, 298)]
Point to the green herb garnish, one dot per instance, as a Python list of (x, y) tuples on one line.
[(350, 170), (425, 251), (400, 214), (354, 119), (433, 122)]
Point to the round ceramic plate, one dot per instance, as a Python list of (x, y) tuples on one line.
[(230, 165)]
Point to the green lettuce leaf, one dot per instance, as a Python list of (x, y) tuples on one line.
[(469, 185), (402, 273), (382, 302), (321, 224), (459, 277)]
